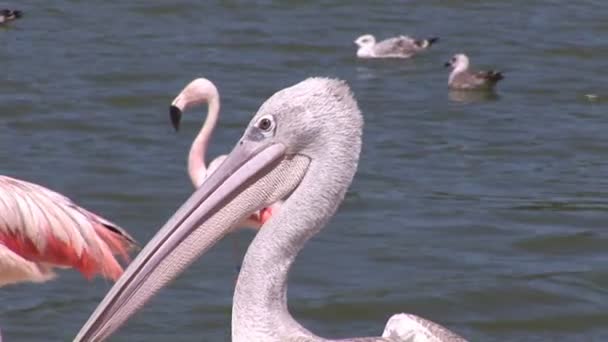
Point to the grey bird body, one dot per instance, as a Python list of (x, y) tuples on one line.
[(475, 80), (303, 147)]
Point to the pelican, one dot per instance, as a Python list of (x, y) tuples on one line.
[(197, 92), (303, 146), (41, 230), (461, 78), (396, 47)]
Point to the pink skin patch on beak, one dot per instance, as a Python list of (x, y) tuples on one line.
[(261, 216), (265, 215)]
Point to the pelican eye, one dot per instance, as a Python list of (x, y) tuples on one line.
[(266, 124)]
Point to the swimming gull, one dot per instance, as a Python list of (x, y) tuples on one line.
[(461, 78), (396, 47), (7, 15)]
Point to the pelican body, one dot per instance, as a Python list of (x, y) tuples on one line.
[(41, 230), (303, 147)]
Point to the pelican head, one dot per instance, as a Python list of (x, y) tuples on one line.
[(459, 62), (196, 93), (301, 137)]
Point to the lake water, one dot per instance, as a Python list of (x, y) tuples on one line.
[(487, 215)]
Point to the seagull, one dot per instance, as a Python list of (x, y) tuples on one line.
[(461, 78), (7, 15), (396, 47)]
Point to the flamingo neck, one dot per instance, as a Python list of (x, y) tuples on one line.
[(197, 167), (260, 310)]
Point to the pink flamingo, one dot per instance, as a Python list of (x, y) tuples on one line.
[(198, 92), (41, 230)]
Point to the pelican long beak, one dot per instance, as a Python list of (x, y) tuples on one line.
[(254, 175)]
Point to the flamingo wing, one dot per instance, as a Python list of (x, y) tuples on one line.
[(15, 269), (45, 227)]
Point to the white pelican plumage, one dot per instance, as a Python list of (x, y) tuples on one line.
[(303, 146)]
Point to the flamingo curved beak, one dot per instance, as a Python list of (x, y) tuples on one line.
[(254, 175), (176, 116)]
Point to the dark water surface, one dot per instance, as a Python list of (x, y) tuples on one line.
[(486, 215)]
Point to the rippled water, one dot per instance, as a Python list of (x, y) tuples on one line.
[(487, 215)]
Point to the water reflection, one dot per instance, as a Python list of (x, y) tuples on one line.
[(365, 73), (468, 96)]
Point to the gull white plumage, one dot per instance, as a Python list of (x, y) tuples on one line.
[(303, 146)]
